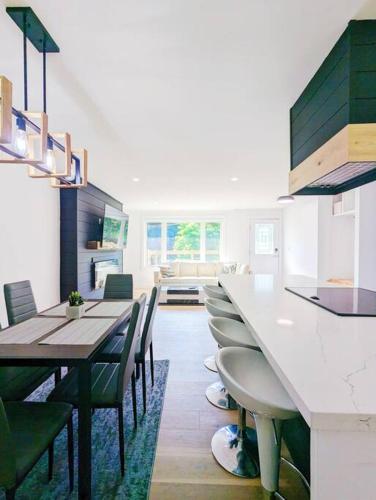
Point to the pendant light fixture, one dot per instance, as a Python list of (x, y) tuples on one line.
[(285, 199), (24, 136), (5, 110)]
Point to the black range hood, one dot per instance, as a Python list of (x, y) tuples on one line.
[(333, 123)]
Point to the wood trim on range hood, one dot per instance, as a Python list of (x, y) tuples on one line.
[(333, 164), (333, 122)]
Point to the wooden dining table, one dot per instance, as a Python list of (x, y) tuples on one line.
[(50, 339)]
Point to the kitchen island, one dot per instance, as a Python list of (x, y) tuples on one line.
[(327, 363)]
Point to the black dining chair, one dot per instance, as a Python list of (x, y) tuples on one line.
[(118, 286), (19, 301), (18, 382), (27, 430), (112, 350), (109, 381)]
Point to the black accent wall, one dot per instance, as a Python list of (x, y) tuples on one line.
[(342, 91), (80, 211)]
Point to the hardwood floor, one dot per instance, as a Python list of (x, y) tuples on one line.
[(184, 465)]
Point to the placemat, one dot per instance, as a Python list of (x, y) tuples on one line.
[(84, 331), (111, 309), (30, 330)]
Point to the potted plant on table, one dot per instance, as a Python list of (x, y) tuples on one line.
[(76, 308)]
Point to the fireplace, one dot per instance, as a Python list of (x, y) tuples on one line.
[(102, 268)]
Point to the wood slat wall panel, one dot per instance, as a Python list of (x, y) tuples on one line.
[(80, 212), (329, 129), (342, 91), (339, 51), (335, 79)]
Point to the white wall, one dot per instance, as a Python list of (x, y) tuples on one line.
[(29, 235), (316, 243), (336, 237), (236, 237), (365, 237), (300, 237)]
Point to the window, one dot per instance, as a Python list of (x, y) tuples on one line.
[(264, 239), (182, 240), (154, 243), (212, 241)]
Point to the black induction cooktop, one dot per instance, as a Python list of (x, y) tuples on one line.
[(340, 301)]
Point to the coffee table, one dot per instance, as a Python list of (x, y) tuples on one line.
[(182, 295)]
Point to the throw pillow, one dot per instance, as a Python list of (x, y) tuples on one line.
[(229, 268), (166, 272)]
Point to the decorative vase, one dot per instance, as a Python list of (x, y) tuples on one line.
[(75, 312)]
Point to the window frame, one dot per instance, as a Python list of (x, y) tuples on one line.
[(164, 220)]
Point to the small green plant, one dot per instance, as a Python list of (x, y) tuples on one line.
[(75, 299)]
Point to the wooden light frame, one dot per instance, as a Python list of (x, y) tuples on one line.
[(37, 157), (66, 142), (5, 110), (83, 156)]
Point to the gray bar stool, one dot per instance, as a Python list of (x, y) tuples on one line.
[(215, 292), (221, 308), (253, 384), (228, 333)]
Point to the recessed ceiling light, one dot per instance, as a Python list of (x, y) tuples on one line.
[(284, 200), (234, 179), (285, 322), (136, 179)]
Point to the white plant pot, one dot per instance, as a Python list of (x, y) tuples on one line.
[(75, 312)]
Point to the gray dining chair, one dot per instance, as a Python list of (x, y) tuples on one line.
[(112, 350), (109, 381), (16, 383), (118, 286), (19, 301), (28, 429)]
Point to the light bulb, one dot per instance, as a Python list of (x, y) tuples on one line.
[(50, 156), (20, 141)]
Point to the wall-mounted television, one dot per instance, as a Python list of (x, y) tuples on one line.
[(114, 228)]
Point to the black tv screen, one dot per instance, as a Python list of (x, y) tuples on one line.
[(115, 228)]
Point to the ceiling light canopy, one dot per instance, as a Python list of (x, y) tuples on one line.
[(234, 179)]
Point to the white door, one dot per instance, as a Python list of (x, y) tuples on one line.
[(265, 246)]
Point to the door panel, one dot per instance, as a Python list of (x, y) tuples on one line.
[(264, 246)]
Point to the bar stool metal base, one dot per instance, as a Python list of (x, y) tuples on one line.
[(236, 451), (218, 396), (210, 364)]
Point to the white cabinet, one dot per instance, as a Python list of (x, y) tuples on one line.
[(344, 203)]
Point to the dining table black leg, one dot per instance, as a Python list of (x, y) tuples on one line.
[(84, 430)]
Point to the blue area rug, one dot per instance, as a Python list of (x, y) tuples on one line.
[(140, 447)]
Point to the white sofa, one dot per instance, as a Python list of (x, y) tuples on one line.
[(195, 273)]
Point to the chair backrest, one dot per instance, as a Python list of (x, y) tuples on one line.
[(19, 300), (118, 286), (7, 452), (147, 331), (127, 359)]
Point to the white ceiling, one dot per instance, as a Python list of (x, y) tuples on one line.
[(183, 94)]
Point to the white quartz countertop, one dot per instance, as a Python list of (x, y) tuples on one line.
[(326, 362)]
